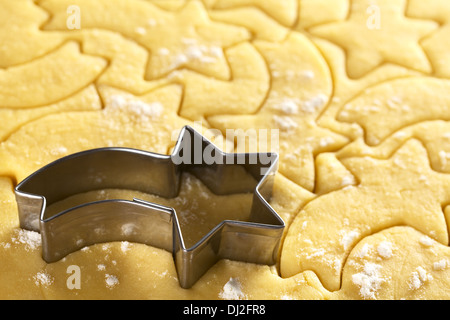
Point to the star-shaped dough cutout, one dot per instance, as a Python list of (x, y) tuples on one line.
[(434, 135), (299, 141), (375, 33), (84, 100), (436, 45), (147, 122), (402, 190), (404, 102), (50, 78), (295, 99), (345, 88), (22, 20), (187, 38), (204, 96), (372, 270), (125, 58)]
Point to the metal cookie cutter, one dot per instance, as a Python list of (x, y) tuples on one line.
[(255, 240)]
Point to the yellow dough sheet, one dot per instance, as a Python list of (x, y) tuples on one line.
[(358, 91)]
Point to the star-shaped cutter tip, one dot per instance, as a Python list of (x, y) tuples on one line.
[(255, 240)]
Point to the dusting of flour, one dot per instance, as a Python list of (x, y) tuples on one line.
[(31, 239), (232, 290), (42, 279), (369, 280)]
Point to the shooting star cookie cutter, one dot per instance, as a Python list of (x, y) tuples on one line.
[(256, 240)]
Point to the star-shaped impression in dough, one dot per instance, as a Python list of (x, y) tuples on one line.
[(376, 33)]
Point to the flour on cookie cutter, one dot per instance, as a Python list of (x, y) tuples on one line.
[(256, 240)]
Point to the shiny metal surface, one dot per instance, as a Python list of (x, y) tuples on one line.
[(256, 240)]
